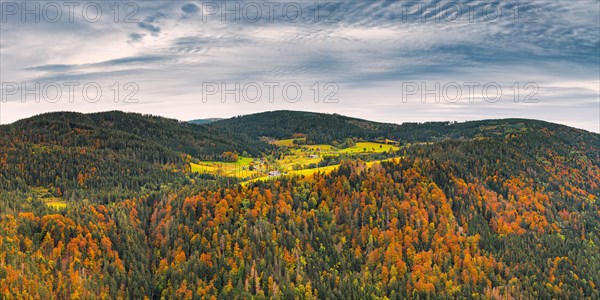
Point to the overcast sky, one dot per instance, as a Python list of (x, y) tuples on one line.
[(388, 61)]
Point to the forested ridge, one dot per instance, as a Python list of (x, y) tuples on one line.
[(496, 209), (325, 128), (107, 155)]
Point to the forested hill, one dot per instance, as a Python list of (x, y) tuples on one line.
[(325, 128), (321, 128), (205, 121), (112, 151), (101, 206), (118, 130)]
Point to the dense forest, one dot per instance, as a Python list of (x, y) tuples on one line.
[(325, 128), (497, 209), (108, 155)]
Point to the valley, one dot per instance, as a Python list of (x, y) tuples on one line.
[(295, 159)]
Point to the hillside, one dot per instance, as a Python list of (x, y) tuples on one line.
[(116, 127), (205, 121), (325, 128), (495, 209), (116, 151)]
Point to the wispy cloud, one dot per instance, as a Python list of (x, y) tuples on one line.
[(369, 48)]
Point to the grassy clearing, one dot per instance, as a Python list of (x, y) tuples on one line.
[(288, 163), (360, 147), (287, 142), (47, 196), (305, 172), (320, 147), (308, 172), (311, 172), (240, 169), (369, 147), (57, 203), (298, 160)]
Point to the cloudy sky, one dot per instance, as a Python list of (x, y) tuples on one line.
[(393, 61)]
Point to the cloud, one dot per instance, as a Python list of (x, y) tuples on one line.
[(51, 68), (369, 48), (190, 8), (149, 27), (125, 61), (150, 21), (136, 37)]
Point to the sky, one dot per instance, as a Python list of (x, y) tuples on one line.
[(389, 61)]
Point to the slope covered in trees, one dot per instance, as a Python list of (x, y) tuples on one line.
[(205, 121), (324, 128), (113, 152), (507, 210)]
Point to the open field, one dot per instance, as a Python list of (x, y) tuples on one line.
[(241, 168), (297, 160), (305, 172), (320, 147), (287, 142), (369, 147), (44, 194), (310, 172), (57, 204)]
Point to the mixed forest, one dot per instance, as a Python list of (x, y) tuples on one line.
[(107, 206)]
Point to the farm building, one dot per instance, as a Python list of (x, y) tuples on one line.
[(274, 173)]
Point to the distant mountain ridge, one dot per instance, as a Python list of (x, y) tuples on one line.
[(205, 121), (324, 128)]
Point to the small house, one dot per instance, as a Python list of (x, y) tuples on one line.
[(274, 173)]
